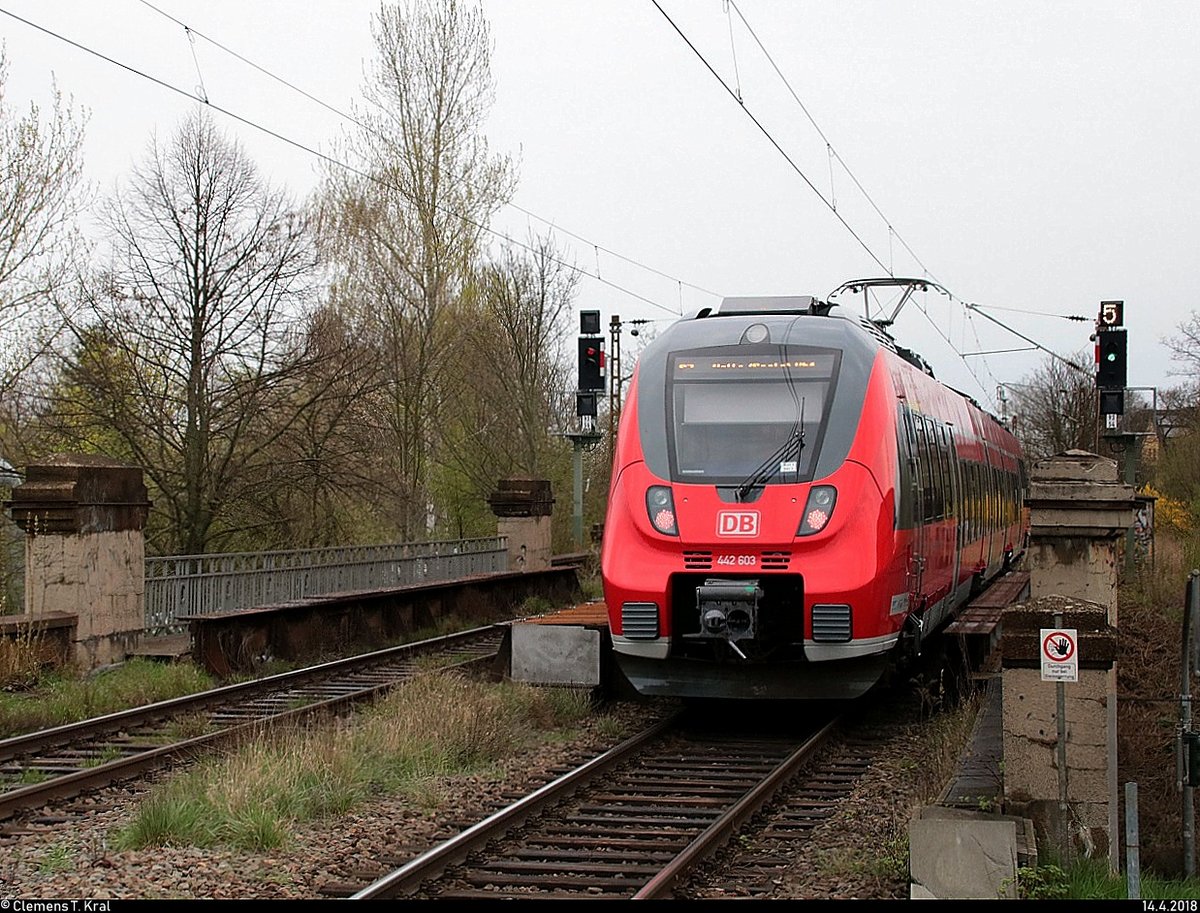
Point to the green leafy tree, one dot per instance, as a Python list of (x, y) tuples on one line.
[(405, 232)]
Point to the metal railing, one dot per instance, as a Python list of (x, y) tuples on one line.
[(209, 584)]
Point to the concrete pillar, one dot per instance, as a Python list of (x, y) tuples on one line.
[(1078, 515), (523, 508), (85, 554)]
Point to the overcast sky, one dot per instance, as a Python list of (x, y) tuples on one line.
[(1033, 156)]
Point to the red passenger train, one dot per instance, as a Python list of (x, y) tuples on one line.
[(796, 503)]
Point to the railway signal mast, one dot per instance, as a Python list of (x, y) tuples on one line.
[(1111, 371), (587, 395), (1112, 381)]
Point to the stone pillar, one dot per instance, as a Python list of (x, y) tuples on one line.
[(1078, 514), (85, 554), (523, 508)]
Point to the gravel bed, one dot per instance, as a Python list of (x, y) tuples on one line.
[(76, 860)]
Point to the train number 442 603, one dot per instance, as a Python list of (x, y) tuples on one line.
[(738, 560)]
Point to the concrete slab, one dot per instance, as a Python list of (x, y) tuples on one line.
[(962, 858), (555, 655)]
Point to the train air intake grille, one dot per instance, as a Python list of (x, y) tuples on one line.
[(697, 561), (639, 620), (831, 624), (776, 561)]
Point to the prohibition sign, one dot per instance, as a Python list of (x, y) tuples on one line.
[(1059, 646)]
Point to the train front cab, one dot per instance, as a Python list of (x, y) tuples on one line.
[(825, 607)]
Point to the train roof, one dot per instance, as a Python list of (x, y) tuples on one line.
[(811, 306)]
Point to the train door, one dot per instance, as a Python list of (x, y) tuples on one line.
[(992, 524), (939, 537), (917, 470), (956, 499)]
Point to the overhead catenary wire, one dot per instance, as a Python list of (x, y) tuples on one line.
[(828, 203), (358, 122), (770, 138), (831, 204), (832, 152), (323, 156)]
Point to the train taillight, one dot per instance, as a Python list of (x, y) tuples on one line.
[(817, 510), (660, 505)]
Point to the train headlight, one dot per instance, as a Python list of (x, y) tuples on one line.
[(817, 510), (660, 505)]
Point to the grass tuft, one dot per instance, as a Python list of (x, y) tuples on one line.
[(433, 727), (64, 696)]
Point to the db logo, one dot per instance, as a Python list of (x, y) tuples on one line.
[(737, 523)]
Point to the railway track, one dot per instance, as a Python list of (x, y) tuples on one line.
[(63, 762), (631, 823)]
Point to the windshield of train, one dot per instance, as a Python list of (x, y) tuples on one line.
[(734, 407)]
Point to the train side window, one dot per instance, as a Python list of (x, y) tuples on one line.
[(981, 471), (925, 459), (988, 522), (993, 499), (972, 502), (954, 465), (951, 508), (973, 499), (935, 471), (1006, 497)]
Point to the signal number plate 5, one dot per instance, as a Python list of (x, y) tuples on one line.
[(737, 560)]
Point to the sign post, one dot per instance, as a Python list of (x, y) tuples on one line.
[(1060, 664), (1060, 655)]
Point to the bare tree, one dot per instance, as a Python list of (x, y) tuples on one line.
[(1054, 409), (406, 231), (510, 400), (317, 486), (515, 349), (1185, 347), (192, 364), (41, 193)]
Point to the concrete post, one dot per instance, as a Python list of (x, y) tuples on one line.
[(523, 508), (85, 552), (1078, 515)]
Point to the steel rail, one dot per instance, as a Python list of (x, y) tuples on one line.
[(433, 862), (721, 830), (17, 746), (662, 875), (72, 784)]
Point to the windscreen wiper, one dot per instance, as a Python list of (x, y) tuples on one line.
[(770, 465)]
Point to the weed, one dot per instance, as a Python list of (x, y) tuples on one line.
[(1090, 879), (593, 588), (610, 727), (22, 658), (535, 605), (63, 696), (431, 728), (191, 726), (110, 753), (1045, 882), (56, 859), (31, 775)]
